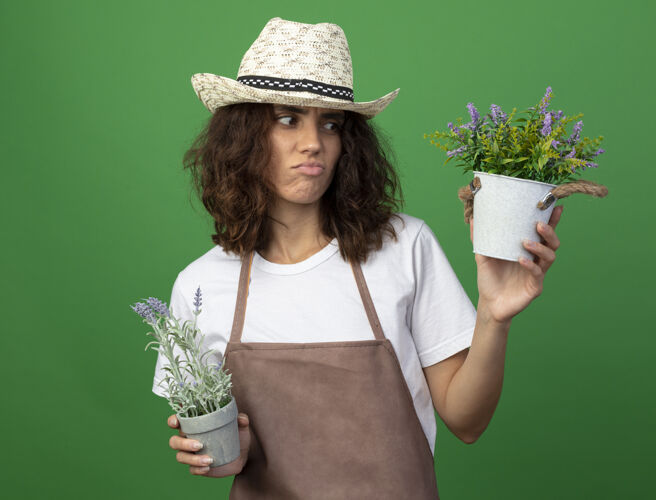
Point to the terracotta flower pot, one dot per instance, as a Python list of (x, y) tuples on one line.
[(218, 431), (505, 213)]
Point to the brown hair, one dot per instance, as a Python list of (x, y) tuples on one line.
[(228, 161)]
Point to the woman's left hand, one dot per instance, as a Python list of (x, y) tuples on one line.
[(506, 288)]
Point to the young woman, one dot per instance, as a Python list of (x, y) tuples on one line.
[(356, 328)]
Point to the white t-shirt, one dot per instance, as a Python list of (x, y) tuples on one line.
[(423, 309)]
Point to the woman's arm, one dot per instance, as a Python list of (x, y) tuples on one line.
[(466, 387)]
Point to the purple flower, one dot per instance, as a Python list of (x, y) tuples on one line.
[(455, 130), (546, 129), (497, 114), (180, 384), (590, 164), (144, 311), (558, 116), (456, 152), (555, 144), (545, 101), (473, 112), (598, 152), (197, 300), (576, 132), (475, 116), (572, 154), (158, 306)]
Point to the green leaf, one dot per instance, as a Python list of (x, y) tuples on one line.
[(150, 343), (507, 160)]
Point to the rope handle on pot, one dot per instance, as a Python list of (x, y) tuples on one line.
[(466, 194)]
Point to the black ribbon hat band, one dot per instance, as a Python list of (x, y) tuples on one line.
[(302, 85)]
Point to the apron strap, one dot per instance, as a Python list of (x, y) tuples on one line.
[(242, 296), (372, 316)]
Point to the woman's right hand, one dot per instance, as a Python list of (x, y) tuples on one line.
[(196, 463)]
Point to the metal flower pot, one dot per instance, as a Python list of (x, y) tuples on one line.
[(505, 213)]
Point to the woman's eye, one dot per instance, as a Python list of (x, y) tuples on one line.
[(285, 117), (332, 126)]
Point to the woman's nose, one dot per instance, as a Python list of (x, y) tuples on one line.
[(309, 138)]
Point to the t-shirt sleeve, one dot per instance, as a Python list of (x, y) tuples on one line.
[(179, 307), (443, 317)]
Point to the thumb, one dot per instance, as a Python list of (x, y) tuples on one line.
[(242, 420)]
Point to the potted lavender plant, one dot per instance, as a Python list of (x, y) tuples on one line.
[(198, 392), (519, 171)]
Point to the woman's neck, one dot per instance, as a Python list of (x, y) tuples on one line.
[(295, 233)]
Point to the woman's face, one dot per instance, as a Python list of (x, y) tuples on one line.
[(306, 144)]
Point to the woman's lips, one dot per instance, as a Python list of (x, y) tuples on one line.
[(310, 168)]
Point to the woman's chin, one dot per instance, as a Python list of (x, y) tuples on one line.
[(298, 199)]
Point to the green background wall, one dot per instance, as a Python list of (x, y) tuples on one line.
[(97, 110)]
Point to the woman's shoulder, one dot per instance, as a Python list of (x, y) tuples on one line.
[(214, 265), (407, 228), (407, 224)]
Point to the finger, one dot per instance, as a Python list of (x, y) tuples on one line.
[(184, 444), (548, 234), (194, 460), (199, 471), (471, 229), (545, 255), (173, 422), (555, 215), (534, 269), (229, 469), (242, 420)]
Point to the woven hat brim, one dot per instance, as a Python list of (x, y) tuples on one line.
[(216, 91)]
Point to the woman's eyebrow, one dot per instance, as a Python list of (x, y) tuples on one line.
[(301, 111)]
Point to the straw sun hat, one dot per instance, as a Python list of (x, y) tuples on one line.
[(295, 64)]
